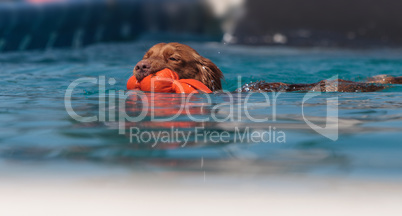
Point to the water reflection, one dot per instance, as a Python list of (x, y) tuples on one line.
[(303, 151)]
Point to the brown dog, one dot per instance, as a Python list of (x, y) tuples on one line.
[(182, 59), (188, 64)]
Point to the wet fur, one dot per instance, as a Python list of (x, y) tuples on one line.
[(185, 61)]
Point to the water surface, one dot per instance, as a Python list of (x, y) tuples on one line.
[(35, 126)]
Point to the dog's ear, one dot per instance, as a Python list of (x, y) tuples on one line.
[(209, 73)]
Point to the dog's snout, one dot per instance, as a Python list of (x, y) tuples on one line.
[(143, 65)]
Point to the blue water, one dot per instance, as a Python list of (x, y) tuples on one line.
[(35, 126)]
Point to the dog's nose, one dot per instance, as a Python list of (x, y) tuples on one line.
[(143, 65)]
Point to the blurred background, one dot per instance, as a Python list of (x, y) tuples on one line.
[(44, 24)]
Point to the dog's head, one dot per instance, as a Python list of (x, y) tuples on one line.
[(182, 59)]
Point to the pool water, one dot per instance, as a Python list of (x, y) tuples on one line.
[(35, 126)]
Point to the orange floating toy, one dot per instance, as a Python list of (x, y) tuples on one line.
[(167, 81)]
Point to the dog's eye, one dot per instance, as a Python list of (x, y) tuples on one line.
[(173, 59)]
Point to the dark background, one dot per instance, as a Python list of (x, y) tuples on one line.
[(44, 24)]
